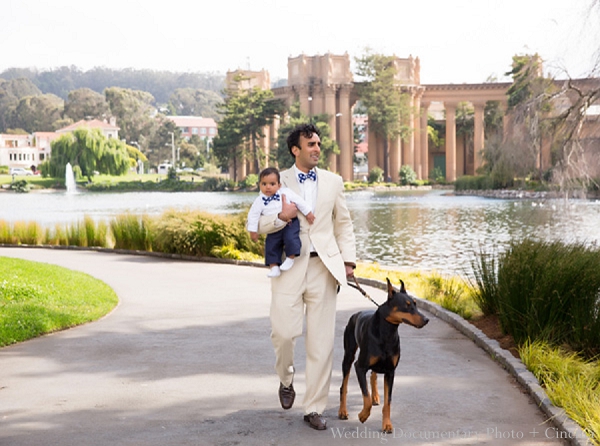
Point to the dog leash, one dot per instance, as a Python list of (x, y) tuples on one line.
[(363, 292)]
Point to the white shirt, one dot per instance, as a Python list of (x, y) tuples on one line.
[(308, 189), (273, 207), (309, 192)]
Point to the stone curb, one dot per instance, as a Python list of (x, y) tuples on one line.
[(570, 430)]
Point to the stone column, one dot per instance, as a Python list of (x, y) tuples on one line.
[(303, 95), (318, 100), (345, 137), (409, 143), (416, 125), (424, 148), (331, 111), (450, 140), (479, 135)]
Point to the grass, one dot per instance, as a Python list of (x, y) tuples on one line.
[(37, 298), (450, 292), (570, 381)]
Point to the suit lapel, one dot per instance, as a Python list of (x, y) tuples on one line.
[(288, 179)]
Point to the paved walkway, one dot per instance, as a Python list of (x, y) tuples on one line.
[(186, 359)]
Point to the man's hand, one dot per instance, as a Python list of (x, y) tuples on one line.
[(310, 217), (254, 236), (349, 271), (288, 210)]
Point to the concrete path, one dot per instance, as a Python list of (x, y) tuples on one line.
[(186, 359)]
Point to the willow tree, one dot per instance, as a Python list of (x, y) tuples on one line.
[(387, 105), (91, 151)]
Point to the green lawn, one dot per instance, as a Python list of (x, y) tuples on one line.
[(38, 298)]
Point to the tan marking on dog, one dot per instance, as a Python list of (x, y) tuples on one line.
[(386, 422), (374, 391), (343, 411), (366, 410)]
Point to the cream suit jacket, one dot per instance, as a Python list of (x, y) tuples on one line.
[(331, 234)]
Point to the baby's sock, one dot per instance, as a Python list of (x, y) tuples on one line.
[(287, 264)]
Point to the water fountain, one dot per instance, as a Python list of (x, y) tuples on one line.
[(70, 180)]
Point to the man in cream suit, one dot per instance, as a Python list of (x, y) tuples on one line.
[(326, 260)]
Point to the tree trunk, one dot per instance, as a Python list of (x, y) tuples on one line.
[(386, 159)]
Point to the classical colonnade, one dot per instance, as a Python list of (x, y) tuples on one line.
[(324, 84)]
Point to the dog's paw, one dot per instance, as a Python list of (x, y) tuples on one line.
[(376, 400), (387, 427), (364, 415), (343, 414)]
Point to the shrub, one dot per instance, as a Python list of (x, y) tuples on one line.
[(218, 184), (250, 181), (407, 175), (546, 291), (437, 175), (197, 233), (20, 186), (376, 175)]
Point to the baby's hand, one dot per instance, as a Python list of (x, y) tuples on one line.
[(310, 217), (254, 236)]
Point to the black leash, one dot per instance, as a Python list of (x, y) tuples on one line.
[(363, 292)]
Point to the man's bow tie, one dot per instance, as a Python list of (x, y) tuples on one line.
[(267, 200), (311, 175)]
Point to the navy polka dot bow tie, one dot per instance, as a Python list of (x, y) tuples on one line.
[(311, 175), (267, 200)]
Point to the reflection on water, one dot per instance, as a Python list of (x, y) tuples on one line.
[(437, 230), (413, 230)]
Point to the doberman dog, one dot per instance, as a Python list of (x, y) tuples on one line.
[(375, 333)]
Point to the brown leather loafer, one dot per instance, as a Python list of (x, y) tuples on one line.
[(316, 421), (286, 396)]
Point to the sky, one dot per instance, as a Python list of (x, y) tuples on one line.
[(457, 41)]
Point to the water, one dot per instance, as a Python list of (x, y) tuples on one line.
[(70, 180), (431, 230)]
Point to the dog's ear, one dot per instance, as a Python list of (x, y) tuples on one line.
[(402, 289), (390, 288)]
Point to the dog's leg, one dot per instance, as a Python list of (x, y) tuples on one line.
[(374, 391), (388, 384), (361, 373), (350, 347)]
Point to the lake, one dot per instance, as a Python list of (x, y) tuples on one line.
[(425, 230)]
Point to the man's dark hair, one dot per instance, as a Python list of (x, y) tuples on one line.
[(269, 171), (306, 130)]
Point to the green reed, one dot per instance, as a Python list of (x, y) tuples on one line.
[(132, 232), (546, 291)]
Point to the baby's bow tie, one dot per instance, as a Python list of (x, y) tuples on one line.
[(267, 200)]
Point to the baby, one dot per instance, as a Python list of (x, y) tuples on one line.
[(288, 238)]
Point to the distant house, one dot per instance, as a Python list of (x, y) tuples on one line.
[(109, 129), (29, 151), (205, 128), (26, 151)]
